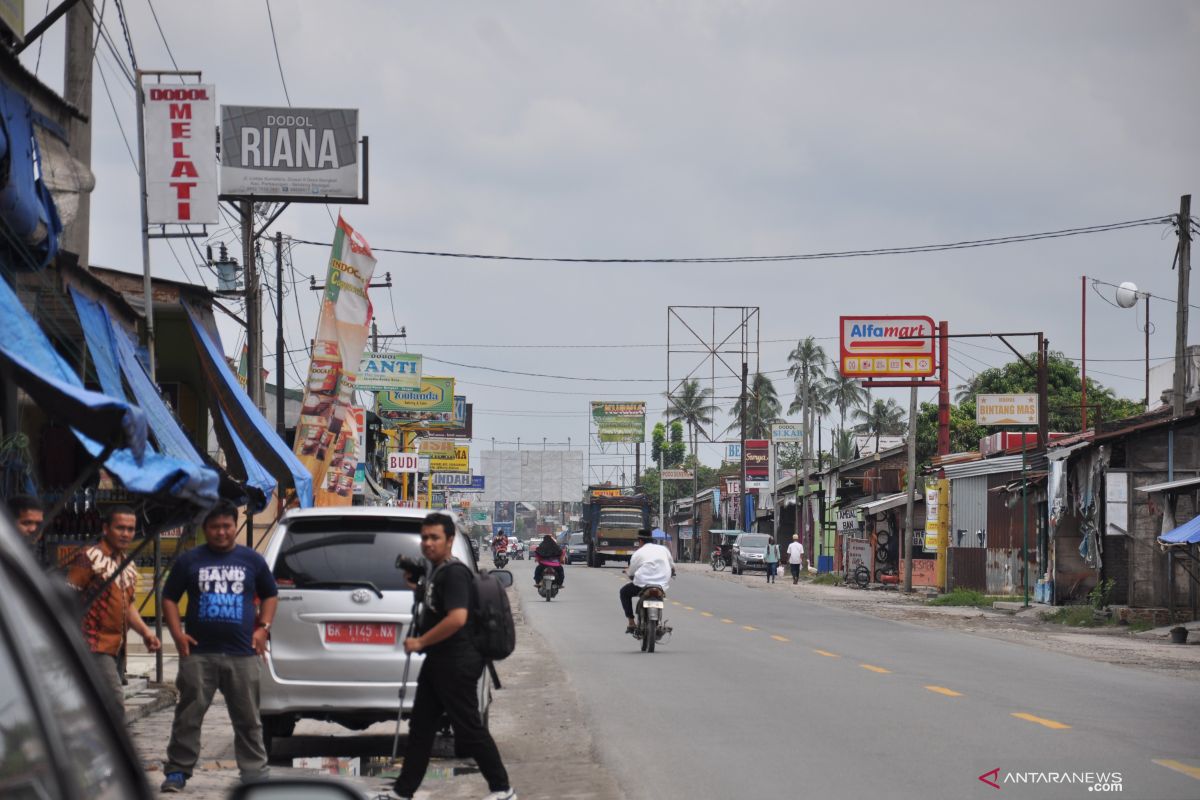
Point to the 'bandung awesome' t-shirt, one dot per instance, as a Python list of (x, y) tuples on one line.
[(221, 588)]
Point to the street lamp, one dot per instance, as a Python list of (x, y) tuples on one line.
[(1126, 296)]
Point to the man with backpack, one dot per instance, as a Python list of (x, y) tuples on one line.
[(453, 665)]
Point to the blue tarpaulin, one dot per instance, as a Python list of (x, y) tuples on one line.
[(26, 207), (61, 395), (252, 428), (113, 355), (1187, 533)]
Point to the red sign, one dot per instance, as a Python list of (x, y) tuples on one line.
[(758, 458), (883, 347), (360, 633)]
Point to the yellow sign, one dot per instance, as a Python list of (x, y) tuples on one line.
[(459, 461), (437, 448), (606, 492)]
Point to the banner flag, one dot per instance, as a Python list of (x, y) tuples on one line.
[(326, 436)]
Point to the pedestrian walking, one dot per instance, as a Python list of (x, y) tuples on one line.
[(221, 645), (109, 597), (772, 559), (795, 554), (449, 678)]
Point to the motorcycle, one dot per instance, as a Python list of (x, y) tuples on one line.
[(548, 587), (652, 626), (499, 560), (518, 555), (717, 561)]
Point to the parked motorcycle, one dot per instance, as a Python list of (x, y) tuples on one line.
[(717, 561), (649, 611)]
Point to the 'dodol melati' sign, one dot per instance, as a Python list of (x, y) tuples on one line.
[(293, 152)]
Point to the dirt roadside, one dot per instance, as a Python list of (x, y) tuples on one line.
[(1115, 645)]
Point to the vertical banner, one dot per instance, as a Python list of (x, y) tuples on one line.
[(326, 436), (180, 145)]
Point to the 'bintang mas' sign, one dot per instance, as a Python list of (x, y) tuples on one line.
[(619, 422)]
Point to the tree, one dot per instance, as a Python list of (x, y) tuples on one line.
[(964, 433), (843, 446), (692, 404), (762, 408), (844, 394), (807, 368), (677, 449), (658, 444), (883, 418)]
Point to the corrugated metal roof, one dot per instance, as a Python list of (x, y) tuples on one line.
[(991, 466), (1165, 487), (890, 501)]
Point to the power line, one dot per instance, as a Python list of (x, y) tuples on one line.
[(158, 25), (278, 62), (883, 251), (128, 39)]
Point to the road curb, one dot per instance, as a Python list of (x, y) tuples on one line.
[(155, 697)]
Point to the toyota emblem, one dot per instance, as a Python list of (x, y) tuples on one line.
[(360, 595)]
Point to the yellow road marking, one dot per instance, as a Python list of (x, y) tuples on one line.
[(749, 628), (688, 608), (780, 638), (1179, 766), (944, 690), (880, 670), (674, 602), (1049, 723), (826, 653), (705, 614), (727, 621)]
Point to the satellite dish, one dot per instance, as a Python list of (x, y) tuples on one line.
[(1127, 294)]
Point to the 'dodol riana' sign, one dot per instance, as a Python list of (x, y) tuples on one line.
[(291, 152)]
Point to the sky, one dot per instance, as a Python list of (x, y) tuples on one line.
[(670, 129)]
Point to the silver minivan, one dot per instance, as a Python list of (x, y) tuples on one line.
[(749, 552), (336, 650)]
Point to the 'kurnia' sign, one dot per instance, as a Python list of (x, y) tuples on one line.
[(289, 152), (883, 347)]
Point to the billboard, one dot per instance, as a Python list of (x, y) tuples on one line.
[(1006, 409), (464, 414), (758, 460), (784, 432), (455, 461), (433, 403), (458, 481), (180, 152), (619, 422), (289, 152), (381, 372), (879, 347), (326, 435)]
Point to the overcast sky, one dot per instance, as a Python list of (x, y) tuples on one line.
[(681, 129)]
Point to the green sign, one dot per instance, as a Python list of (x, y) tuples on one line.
[(479, 516), (619, 422), (433, 402)]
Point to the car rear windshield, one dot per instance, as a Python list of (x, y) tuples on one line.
[(333, 550), (752, 541), (621, 518), (576, 538)]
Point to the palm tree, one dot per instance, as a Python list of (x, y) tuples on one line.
[(807, 368), (967, 391), (846, 394), (691, 403), (843, 446), (762, 408), (820, 409), (882, 418)]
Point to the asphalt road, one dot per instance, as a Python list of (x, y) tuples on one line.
[(761, 695)]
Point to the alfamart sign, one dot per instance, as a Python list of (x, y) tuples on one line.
[(887, 347)]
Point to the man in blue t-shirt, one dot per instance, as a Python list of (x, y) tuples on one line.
[(225, 636)]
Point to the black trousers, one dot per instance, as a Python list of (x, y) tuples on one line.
[(628, 592), (540, 570), (448, 684)]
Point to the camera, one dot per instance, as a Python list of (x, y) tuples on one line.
[(414, 569)]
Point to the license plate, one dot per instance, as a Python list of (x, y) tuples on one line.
[(623, 552), (653, 604), (360, 633)]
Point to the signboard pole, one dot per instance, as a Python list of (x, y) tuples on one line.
[(907, 547), (1024, 521), (742, 436), (141, 136)]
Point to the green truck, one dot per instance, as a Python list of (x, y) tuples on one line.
[(611, 524)]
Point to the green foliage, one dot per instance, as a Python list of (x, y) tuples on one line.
[(1101, 596), (790, 456), (707, 477), (964, 433), (827, 579), (677, 450), (1072, 617), (883, 418), (762, 408), (658, 443), (959, 596)]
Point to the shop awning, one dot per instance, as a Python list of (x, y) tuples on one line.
[(1183, 483), (251, 427), (1186, 534), (889, 502), (113, 354)]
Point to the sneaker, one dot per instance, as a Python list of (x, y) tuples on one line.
[(174, 783), (631, 628), (504, 794)]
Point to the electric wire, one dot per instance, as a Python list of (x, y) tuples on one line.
[(158, 25), (882, 251), (128, 38), (278, 61)]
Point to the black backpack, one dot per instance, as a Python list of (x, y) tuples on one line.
[(493, 630)]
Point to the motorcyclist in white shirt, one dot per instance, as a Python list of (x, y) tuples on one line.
[(650, 565)]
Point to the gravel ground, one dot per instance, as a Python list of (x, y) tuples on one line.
[(1115, 645)]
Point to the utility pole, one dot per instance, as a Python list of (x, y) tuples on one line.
[(254, 326), (742, 433), (280, 424), (77, 90), (906, 545), (1180, 388), (140, 98)]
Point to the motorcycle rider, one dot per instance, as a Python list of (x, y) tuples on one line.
[(548, 556), (650, 565)]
